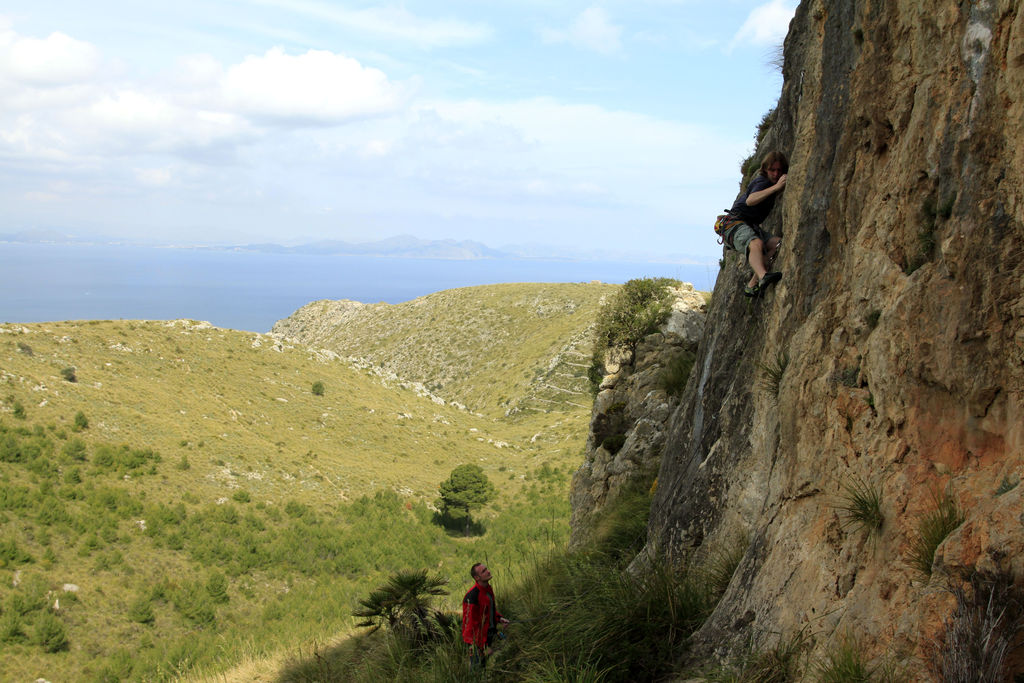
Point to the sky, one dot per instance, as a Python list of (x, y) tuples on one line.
[(616, 126)]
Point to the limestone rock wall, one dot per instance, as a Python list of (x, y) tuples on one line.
[(896, 339), (631, 412)]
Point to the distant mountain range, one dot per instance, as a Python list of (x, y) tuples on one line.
[(401, 246)]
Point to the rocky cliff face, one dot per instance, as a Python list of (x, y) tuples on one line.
[(631, 410), (891, 353)]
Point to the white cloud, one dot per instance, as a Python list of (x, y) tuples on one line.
[(766, 25), (153, 177), (318, 86), (392, 22), (591, 30), (56, 60)]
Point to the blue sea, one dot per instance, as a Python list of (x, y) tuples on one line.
[(252, 290)]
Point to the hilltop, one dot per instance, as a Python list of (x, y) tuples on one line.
[(497, 349)]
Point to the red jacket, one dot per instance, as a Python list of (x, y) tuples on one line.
[(479, 616)]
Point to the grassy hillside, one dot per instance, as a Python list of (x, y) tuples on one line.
[(508, 349), (210, 507)]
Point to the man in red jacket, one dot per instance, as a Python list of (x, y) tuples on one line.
[(480, 617)]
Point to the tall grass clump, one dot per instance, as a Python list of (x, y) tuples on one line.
[(861, 505), (620, 530), (932, 530), (721, 563), (982, 630), (844, 663), (780, 664), (772, 371)]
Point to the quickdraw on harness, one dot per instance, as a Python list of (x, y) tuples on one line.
[(725, 223)]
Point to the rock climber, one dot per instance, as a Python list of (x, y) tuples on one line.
[(751, 209)]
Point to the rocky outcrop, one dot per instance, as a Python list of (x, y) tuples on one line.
[(891, 353), (631, 410)]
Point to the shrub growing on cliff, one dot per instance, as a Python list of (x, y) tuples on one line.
[(772, 372), (677, 372), (982, 630), (861, 504), (932, 530), (318, 388), (722, 562), (638, 309)]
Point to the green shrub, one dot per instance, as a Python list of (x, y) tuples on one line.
[(750, 165), (69, 375), (11, 627), (638, 309), (677, 372), (872, 318), (74, 449), (81, 422), (141, 610), (49, 633), (193, 602), (18, 410), (630, 629), (318, 388), (217, 587), (611, 427), (294, 508), (844, 664), (241, 497), (932, 529), (12, 554)]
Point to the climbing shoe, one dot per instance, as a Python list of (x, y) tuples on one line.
[(751, 292), (769, 279)]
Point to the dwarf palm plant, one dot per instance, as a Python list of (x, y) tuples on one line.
[(404, 605)]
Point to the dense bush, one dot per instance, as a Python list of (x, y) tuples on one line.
[(49, 633), (638, 309), (676, 372)]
